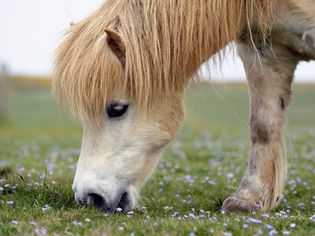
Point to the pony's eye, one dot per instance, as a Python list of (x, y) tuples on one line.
[(115, 110)]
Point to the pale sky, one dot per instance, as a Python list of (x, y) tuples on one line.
[(30, 30)]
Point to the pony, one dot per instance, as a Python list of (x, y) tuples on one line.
[(123, 71)]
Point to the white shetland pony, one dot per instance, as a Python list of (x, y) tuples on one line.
[(123, 71)]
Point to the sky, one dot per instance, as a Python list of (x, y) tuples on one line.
[(31, 30)]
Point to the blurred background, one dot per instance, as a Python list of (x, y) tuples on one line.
[(31, 31)]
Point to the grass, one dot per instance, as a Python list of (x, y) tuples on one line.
[(204, 165)]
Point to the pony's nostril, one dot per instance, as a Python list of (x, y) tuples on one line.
[(124, 201), (81, 202), (80, 199), (96, 201)]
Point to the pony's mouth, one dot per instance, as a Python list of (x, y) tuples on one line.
[(121, 204)]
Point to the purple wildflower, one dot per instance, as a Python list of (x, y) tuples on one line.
[(292, 225), (10, 203), (188, 178), (15, 222), (269, 227), (77, 223), (273, 232), (32, 222), (301, 204), (265, 215), (174, 214), (285, 232), (118, 209), (43, 231), (230, 175), (227, 234), (255, 221), (191, 215)]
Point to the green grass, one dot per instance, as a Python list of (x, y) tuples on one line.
[(39, 148)]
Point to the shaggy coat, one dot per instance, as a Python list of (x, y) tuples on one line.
[(143, 53)]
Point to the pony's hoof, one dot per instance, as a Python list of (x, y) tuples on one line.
[(235, 204)]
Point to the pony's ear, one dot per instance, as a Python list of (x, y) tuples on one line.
[(117, 45)]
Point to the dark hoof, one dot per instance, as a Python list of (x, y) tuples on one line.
[(234, 204)]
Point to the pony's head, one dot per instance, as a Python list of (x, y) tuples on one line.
[(127, 120), (123, 70)]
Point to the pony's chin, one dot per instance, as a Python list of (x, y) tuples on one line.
[(133, 198)]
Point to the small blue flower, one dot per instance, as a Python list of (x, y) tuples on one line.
[(32, 223), (118, 209), (15, 222), (285, 232), (265, 215), (43, 231), (269, 227), (273, 232), (77, 223), (227, 234), (252, 220)]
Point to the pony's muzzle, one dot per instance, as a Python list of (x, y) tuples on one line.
[(120, 204), (96, 200)]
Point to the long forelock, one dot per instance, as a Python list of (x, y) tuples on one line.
[(86, 71), (166, 41)]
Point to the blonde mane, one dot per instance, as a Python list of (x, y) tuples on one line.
[(166, 42)]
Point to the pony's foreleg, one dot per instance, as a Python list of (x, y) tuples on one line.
[(269, 76)]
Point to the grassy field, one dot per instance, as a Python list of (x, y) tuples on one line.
[(39, 148)]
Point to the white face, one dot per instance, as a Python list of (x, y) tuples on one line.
[(117, 157)]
